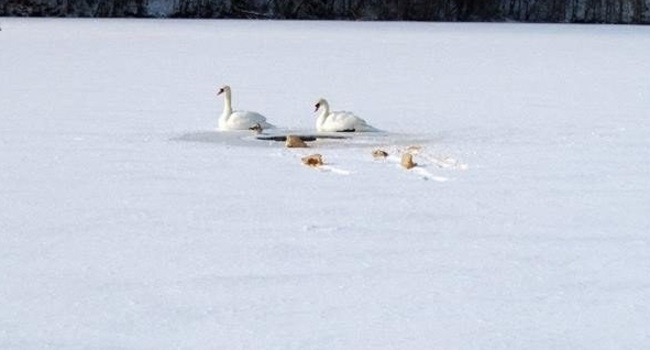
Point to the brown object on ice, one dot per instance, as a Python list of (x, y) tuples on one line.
[(413, 148), (257, 128), (378, 153), (294, 141), (313, 160), (407, 161)]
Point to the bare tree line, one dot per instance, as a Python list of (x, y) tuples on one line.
[(569, 11)]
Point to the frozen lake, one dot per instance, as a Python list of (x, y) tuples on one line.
[(128, 222)]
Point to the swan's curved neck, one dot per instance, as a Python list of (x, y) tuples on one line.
[(322, 116), (325, 107), (227, 104)]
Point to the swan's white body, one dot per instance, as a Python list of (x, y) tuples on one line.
[(338, 121), (238, 120)]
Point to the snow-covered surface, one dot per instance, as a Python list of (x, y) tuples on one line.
[(126, 222)]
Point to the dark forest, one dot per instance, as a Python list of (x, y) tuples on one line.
[(552, 11)]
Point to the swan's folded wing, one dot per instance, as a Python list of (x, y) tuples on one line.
[(243, 120), (348, 121)]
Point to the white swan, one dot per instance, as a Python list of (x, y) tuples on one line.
[(238, 120), (338, 121)]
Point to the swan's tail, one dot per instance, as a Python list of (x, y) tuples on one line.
[(368, 128), (266, 125)]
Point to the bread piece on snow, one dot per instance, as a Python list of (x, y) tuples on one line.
[(378, 153), (407, 161), (313, 160), (294, 141)]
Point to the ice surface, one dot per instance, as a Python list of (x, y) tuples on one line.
[(127, 222)]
